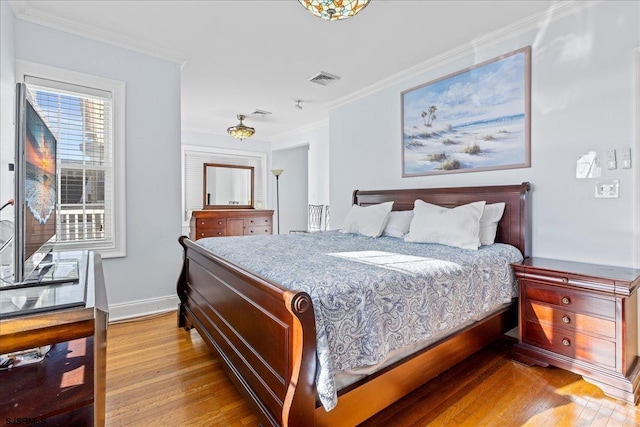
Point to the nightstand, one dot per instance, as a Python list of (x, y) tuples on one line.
[(582, 318)]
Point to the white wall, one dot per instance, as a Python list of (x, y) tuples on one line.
[(317, 138), (583, 80), (7, 106), (145, 279)]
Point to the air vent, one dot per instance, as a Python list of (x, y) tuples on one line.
[(261, 113), (323, 78)]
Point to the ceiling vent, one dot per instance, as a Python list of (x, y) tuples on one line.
[(323, 78), (261, 113)]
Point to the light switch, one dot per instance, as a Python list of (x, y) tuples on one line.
[(611, 159), (625, 158), (609, 189)]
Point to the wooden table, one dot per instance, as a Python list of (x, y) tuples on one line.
[(68, 386)]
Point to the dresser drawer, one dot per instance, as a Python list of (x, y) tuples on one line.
[(571, 344), (210, 232), (259, 221), (211, 223), (576, 301), (560, 317), (265, 229)]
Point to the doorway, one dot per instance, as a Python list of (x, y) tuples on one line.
[(293, 188)]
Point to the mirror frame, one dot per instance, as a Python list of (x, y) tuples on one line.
[(204, 187)]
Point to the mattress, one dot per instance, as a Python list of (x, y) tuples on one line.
[(375, 299)]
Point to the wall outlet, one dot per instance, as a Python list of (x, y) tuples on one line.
[(609, 189)]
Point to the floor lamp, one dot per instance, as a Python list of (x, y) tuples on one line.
[(277, 173)]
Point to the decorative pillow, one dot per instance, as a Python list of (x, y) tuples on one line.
[(367, 220), (489, 222), (459, 226), (398, 223)]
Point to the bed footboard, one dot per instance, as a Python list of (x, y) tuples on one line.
[(264, 334)]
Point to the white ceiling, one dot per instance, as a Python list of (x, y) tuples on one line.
[(242, 55)]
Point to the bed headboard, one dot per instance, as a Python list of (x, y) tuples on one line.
[(513, 228)]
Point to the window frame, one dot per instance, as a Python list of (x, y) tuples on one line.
[(117, 246)]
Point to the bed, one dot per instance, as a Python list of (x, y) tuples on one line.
[(265, 332)]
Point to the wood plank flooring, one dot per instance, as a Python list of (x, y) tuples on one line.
[(161, 375)]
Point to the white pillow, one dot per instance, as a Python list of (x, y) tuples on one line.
[(367, 220), (489, 222), (398, 223), (459, 226)]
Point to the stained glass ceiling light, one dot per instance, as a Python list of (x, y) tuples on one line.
[(240, 131), (333, 10)]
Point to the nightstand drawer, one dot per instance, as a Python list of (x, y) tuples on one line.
[(576, 301), (571, 344), (565, 319)]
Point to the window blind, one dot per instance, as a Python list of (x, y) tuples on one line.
[(81, 119)]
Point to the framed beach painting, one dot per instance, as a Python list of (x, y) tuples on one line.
[(476, 119)]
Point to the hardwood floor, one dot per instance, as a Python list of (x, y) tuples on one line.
[(159, 374)]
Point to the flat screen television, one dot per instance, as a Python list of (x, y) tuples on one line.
[(35, 187)]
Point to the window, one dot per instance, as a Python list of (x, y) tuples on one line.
[(84, 114)]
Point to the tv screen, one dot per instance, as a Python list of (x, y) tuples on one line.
[(35, 187)]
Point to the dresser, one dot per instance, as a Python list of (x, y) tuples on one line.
[(582, 318), (230, 222)]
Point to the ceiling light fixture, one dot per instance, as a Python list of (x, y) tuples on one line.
[(334, 10), (240, 131)]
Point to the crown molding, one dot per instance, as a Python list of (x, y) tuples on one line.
[(556, 11), (25, 11)]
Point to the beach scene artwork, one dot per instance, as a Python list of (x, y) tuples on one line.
[(476, 119)]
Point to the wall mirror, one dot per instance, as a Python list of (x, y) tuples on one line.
[(228, 186)]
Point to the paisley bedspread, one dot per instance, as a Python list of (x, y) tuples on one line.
[(375, 295)]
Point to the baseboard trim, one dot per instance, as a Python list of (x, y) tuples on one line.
[(144, 307)]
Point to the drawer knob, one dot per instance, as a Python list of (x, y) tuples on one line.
[(566, 342), (565, 280), (566, 319), (202, 223), (566, 300), (220, 222), (202, 234)]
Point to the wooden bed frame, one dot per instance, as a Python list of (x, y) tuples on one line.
[(265, 334)]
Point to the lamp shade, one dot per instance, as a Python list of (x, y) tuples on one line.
[(240, 131), (334, 10), (277, 172)]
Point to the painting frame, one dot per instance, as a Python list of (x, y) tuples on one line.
[(475, 119)]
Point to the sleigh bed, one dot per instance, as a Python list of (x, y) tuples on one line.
[(265, 333)]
